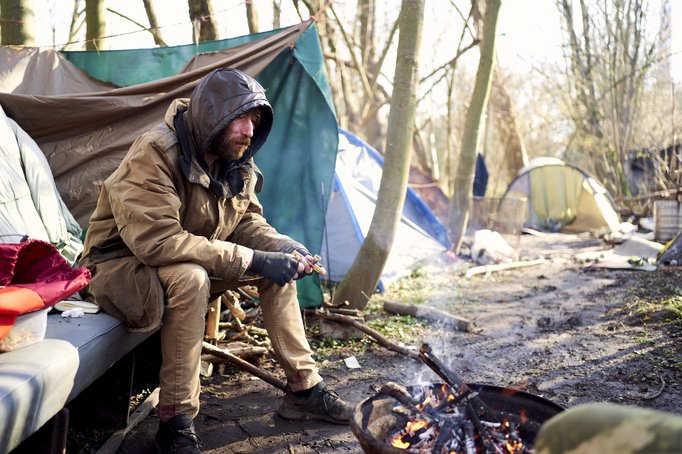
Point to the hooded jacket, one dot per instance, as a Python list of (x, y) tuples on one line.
[(161, 206)]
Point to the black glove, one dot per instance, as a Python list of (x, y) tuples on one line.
[(298, 248), (279, 267), (303, 252)]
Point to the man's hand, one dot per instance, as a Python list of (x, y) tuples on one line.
[(310, 262), (279, 267)]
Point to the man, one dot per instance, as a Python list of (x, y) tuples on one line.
[(179, 223)]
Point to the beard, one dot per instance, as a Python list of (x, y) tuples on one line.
[(232, 149)]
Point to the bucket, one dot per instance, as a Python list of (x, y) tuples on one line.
[(667, 219)]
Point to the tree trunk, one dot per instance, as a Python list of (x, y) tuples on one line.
[(276, 14), (464, 176), (363, 276), (201, 15), (252, 16), (515, 155), (18, 20), (95, 26), (77, 21), (153, 23)]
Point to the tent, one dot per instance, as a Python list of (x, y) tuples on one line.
[(420, 236), (84, 109), (562, 197)]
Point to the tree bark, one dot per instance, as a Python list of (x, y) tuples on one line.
[(18, 21), (95, 27), (153, 23), (464, 176), (252, 16), (363, 276), (515, 155), (201, 15)]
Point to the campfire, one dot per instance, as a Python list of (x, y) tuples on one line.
[(450, 417)]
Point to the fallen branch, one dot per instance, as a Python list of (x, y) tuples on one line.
[(381, 340), (658, 393), (484, 269), (431, 314), (244, 365), (245, 351)]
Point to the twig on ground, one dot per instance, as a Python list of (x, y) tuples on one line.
[(381, 340), (658, 393), (244, 365)]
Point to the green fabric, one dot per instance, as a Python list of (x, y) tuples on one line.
[(555, 194), (136, 66), (299, 157), (606, 428)]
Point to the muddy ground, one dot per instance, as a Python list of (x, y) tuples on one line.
[(563, 330)]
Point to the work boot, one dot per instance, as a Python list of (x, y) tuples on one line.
[(177, 436), (316, 403)]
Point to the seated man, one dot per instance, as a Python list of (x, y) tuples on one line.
[(177, 224)]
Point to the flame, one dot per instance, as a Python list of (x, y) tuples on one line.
[(410, 429), (397, 442), (413, 426), (425, 403)]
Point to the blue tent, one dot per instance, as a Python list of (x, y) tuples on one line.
[(421, 236)]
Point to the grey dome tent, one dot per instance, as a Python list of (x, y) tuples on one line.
[(420, 237), (563, 197)]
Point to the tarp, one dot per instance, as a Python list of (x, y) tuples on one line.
[(85, 126), (420, 237), (30, 204), (562, 197)]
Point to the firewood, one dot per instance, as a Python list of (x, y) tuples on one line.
[(381, 340), (431, 314), (244, 365), (451, 379)]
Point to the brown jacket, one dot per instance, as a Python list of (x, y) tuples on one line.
[(161, 207)]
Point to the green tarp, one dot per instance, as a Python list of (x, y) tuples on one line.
[(86, 131)]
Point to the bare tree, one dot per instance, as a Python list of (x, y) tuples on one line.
[(252, 16), (95, 27), (76, 25), (154, 28), (201, 15), (17, 22), (363, 275), (464, 175), (608, 56)]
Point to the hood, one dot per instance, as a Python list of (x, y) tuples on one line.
[(221, 96)]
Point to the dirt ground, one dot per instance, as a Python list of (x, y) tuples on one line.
[(563, 330)]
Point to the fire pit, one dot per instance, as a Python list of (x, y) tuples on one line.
[(449, 417)]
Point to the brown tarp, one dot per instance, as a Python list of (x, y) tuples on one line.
[(84, 126)]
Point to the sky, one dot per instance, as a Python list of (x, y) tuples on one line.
[(528, 30)]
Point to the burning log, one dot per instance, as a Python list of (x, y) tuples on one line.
[(449, 417), (435, 364)]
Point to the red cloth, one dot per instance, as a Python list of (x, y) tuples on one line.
[(34, 275)]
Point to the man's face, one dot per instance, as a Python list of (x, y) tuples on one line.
[(236, 137)]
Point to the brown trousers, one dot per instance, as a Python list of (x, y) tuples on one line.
[(187, 289)]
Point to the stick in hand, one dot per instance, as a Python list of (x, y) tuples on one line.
[(312, 262)]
